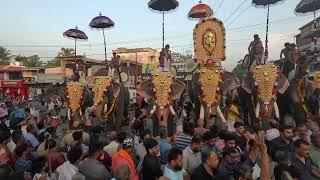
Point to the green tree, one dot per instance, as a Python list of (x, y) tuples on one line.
[(53, 63), (66, 52), (5, 55), (20, 58)]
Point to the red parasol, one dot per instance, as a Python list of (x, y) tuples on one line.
[(200, 11)]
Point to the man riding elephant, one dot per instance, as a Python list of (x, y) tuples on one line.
[(255, 50)]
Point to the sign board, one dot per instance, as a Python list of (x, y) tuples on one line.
[(180, 67), (50, 78)]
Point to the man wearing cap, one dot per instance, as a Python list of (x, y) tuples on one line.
[(122, 157), (151, 168)]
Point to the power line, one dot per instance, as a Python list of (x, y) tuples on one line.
[(219, 5), (235, 10), (239, 15), (148, 41)]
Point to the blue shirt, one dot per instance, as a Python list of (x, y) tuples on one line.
[(165, 147), (32, 139)]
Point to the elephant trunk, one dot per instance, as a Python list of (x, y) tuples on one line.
[(266, 111)]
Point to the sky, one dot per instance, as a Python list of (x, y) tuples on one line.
[(36, 26)]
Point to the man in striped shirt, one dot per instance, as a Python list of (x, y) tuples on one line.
[(183, 140)]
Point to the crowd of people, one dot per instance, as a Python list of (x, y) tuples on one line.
[(32, 147)]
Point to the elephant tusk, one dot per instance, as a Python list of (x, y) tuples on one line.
[(69, 115), (172, 110), (276, 110), (257, 111), (105, 108), (219, 112), (201, 113), (153, 109), (80, 112)]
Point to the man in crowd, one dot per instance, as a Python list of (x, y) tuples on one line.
[(91, 168), (239, 134), (302, 133), (210, 139), (301, 162), (315, 151), (123, 157), (174, 170), (151, 168), (69, 168), (113, 146), (192, 155), (183, 140), (282, 143), (164, 145), (205, 171)]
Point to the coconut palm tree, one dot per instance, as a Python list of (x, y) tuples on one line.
[(5, 55), (66, 52)]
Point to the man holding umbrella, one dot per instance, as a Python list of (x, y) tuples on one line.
[(165, 59)]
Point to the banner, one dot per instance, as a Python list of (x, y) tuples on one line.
[(149, 68)]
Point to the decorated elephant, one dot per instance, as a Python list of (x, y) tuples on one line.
[(110, 99), (162, 89), (78, 99), (264, 83), (207, 87), (210, 80)]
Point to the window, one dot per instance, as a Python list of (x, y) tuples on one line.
[(15, 75)]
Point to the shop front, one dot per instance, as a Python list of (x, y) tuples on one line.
[(14, 89)]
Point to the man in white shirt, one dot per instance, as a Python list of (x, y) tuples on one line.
[(113, 146), (69, 168), (192, 155)]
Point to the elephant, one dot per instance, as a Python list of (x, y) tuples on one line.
[(111, 99), (78, 99), (162, 89), (208, 84), (264, 83)]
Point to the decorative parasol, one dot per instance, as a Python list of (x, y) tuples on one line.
[(163, 6), (265, 3), (306, 6), (75, 34), (200, 11), (102, 22)]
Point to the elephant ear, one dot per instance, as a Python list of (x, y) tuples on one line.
[(144, 89), (283, 84), (230, 81), (177, 89), (247, 85)]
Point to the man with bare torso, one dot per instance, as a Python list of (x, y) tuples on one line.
[(165, 59), (255, 50), (115, 65)]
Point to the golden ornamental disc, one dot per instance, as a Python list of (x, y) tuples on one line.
[(75, 92), (209, 41), (101, 84), (162, 83), (266, 77)]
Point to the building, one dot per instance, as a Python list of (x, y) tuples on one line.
[(11, 81), (304, 39)]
